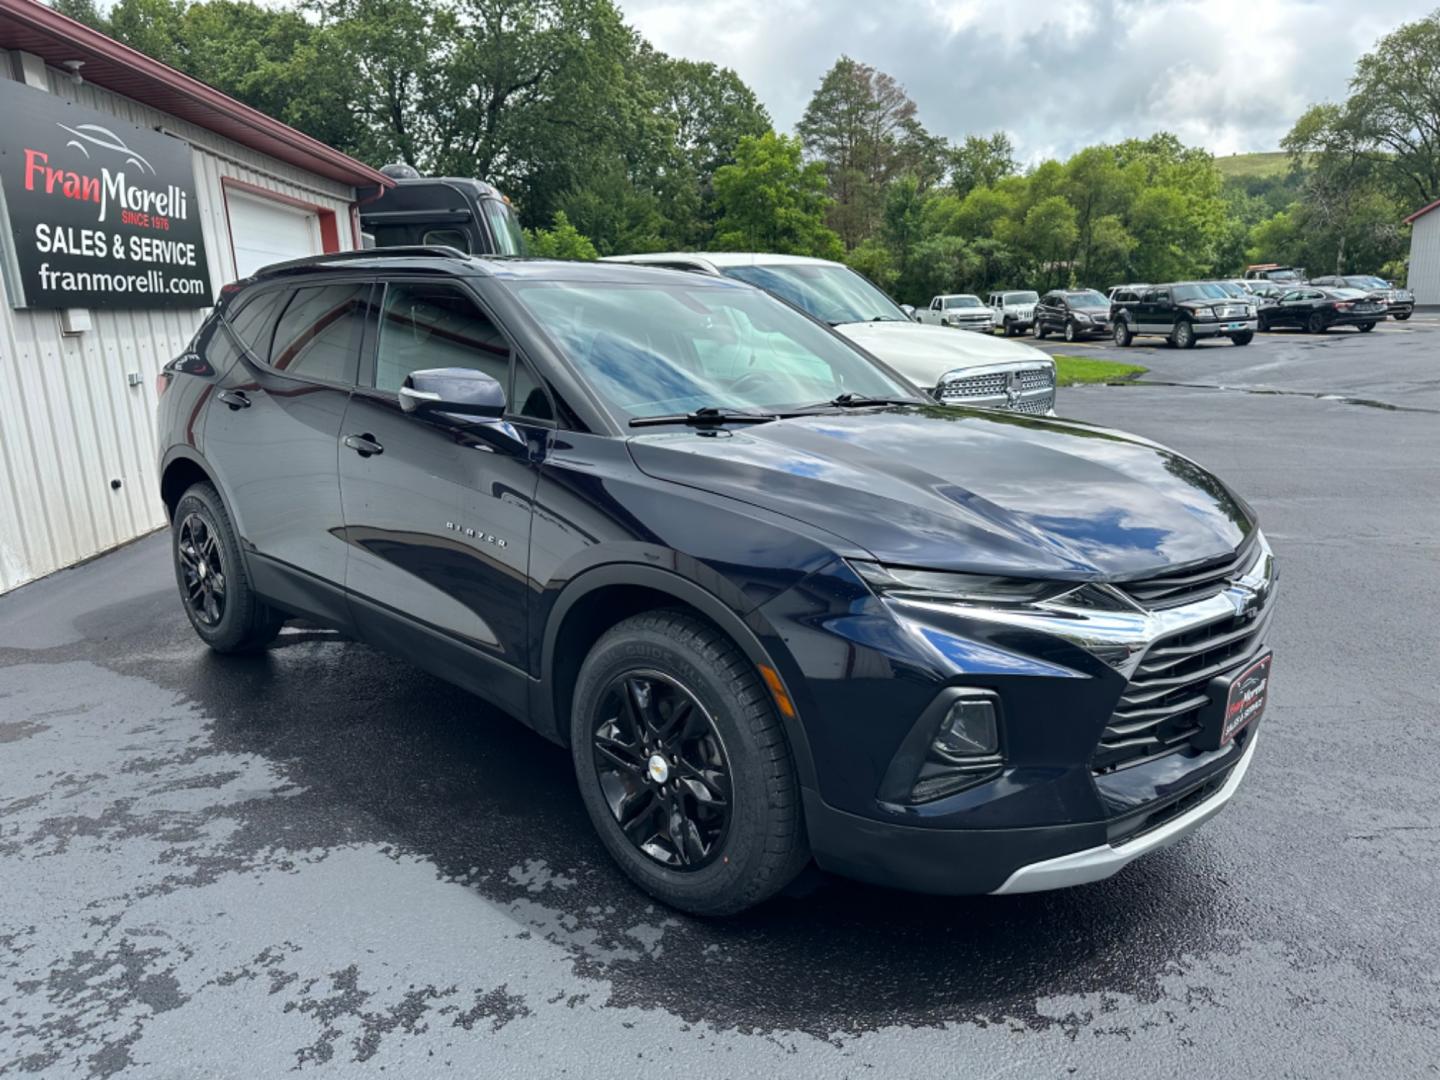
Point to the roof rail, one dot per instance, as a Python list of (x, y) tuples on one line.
[(435, 251)]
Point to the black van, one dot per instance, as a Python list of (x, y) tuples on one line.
[(452, 211)]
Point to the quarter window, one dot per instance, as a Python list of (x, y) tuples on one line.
[(436, 326), (255, 319), (318, 336)]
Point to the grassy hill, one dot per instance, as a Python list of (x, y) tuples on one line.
[(1274, 163)]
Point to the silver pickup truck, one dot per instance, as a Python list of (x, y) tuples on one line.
[(962, 310)]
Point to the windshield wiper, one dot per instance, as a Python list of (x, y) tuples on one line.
[(707, 416), (852, 400)]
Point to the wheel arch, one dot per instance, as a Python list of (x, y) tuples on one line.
[(598, 599), (181, 471)]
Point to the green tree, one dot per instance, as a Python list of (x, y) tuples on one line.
[(771, 200), (981, 162), (1393, 110), (561, 241)]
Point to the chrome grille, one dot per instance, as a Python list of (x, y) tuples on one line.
[(1032, 392), (1161, 708), (1193, 583), (972, 386), (1037, 406), (1037, 379)]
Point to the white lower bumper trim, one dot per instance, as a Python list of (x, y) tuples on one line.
[(1098, 863)]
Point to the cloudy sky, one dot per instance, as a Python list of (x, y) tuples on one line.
[(1230, 75)]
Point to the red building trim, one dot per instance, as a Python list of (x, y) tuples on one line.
[(1422, 212), (29, 26)]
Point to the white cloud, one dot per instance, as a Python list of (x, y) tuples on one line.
[(1231, 75)]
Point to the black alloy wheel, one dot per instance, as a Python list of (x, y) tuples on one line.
[(212, 577), (1316, 323), (663, 770), (1366, 327), (202, 570)]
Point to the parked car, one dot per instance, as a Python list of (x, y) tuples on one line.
[(963, 311), (1014, 310), (1399, 303), (968, 369), (777, 603), (1073, 313), (1183, 313), (1316, 310)]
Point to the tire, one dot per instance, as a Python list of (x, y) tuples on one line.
[(1243, 338), (1009, 328), (1039, 330), (1070, 334), (1315, 324), (1184, 335), (1366, 327), (674, 656), (1122, 334), (205, 550), (1402, 317)]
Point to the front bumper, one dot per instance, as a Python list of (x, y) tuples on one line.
[(967, 862), (1222, 327), (1400, 307)]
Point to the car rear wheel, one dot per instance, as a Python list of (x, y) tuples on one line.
[(1243, 338), (214, 585), (684, 767), (1184, 335), (1316, 323), (1122, 334), (1366, 327)]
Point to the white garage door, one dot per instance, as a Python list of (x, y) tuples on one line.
[(264, 232)]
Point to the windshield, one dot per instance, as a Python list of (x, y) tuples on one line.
[(1199, 290), (1087, 298), (509, 240), (1364, 281), (962, 301), (1229, 288), (661, 349), (833, 294), (1022, 298)]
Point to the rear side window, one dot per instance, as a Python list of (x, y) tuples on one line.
[(253, 321), (318, 336), (436, 326)]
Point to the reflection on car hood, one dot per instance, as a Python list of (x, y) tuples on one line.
[(924, 353), (967, 489)]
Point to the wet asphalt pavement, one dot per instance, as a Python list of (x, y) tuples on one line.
[(322, 859)]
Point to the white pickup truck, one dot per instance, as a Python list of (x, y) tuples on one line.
[(958, 369), (962, 310)]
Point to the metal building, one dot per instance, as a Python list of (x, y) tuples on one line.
[(1425, 254), (129, 194)]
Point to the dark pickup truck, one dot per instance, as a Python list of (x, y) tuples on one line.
[(447, 211), (1182, 313)]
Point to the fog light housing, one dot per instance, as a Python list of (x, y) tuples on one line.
[(969, 730), (956, 744)]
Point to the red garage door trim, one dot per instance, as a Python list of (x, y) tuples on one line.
[(329, 225)]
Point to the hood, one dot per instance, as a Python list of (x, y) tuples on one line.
[(968, 490), (923, 353)]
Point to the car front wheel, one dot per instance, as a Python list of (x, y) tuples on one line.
[(214, 585), (1402, 316), (1243, 338), (1184, 335), (1070, 333), (1122, 334), (684, 767), (1038, 329)]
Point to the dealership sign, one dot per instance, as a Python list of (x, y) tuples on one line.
[(102, 213)]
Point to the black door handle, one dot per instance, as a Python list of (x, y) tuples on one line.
[(236, 399), (364, 445)]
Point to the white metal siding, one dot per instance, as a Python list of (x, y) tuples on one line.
[(1425, 258), (69, 423)]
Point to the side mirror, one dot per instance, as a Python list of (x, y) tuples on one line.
[(909, 310), (459, 391)]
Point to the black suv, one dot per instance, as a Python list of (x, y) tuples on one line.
[(1182, 313), (1074, 313), (778, 603)]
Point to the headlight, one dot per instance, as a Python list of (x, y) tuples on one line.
[(982, 590), (1082, 317)]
